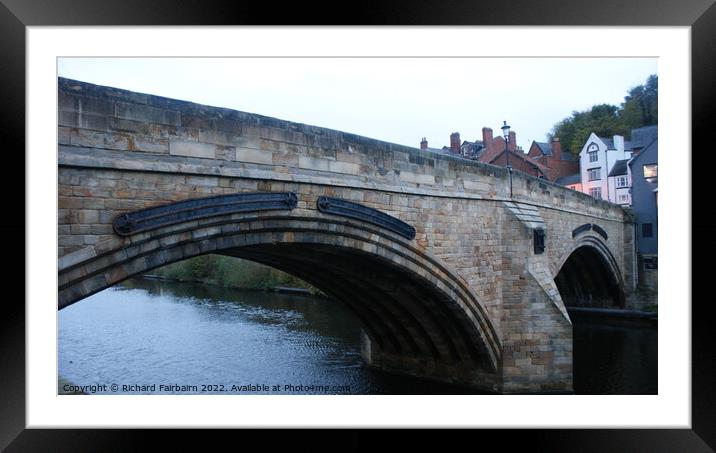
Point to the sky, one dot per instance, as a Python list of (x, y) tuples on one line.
[(399, 100)]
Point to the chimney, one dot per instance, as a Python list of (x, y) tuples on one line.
[(486, 136), (556, 148), (619, 143), (512, 142), (424, 144), (455, 142)]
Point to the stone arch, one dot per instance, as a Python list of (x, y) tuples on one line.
[(588, 275), (411, 305)]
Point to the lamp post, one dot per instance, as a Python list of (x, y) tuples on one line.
[(506, 133)]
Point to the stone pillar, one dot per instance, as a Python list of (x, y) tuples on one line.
[(536, 329)]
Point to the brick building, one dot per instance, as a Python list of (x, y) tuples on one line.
[(491, 150), (550, 155)]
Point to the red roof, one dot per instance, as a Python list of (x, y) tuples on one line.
[(489, 157)]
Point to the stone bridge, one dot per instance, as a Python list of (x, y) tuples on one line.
[(452, 278)]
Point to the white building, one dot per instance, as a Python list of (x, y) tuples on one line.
[(598, 158)]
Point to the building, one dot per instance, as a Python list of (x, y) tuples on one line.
[(619, 183), (643, 136), (550, 155), (491, 150), (597, 160), (645, 190), (626, 173), (443, 150)]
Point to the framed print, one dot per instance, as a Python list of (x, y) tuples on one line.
[(409, 256)]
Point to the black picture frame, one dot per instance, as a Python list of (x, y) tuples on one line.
[(700, 15)]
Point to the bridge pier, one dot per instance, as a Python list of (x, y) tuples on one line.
[(536, 353), (536, 329)]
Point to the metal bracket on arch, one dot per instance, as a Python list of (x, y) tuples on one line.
[(337, 206), (133, 222), (590, 226)]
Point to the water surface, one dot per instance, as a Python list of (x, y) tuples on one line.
[(156, 337)]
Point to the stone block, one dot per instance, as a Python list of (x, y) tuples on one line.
[(343, 167), (86, 216), (313, 163), (69, 202), (219, 137), (475, 185), (207, 181), (96, 139), (84, 104), (76, 257), (125, 125), (149, 144), (415, 178), (226, 152), (146, 113), (192, 149), (254, 156)]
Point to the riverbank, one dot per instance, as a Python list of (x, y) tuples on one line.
[(276, 289), (233, 273)]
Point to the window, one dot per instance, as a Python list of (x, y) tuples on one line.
[(596, 192), (650, 171), (646, 231), (592, 152), (593, 174), (651, 262), (623, 198), (622, 181)]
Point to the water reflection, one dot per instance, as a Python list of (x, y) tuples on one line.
[(152, 332), (614, 358)]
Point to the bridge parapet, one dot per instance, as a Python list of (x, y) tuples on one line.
[(224, 141)]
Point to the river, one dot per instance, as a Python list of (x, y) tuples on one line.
[(156, 337)]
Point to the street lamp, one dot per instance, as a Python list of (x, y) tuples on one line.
[(506, 133)]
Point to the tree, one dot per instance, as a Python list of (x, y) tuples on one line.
[(602, 119), (640, 108)]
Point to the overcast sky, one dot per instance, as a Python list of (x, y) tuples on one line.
[(397, 100)]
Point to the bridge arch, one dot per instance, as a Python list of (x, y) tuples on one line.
[(411, 304), (589, 276)]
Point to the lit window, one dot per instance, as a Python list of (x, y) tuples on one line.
[(622, 181), (593, 174), (650, 171), (596, 192)]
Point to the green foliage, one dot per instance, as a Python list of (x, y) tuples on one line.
[(230, 272), (640, 108)]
